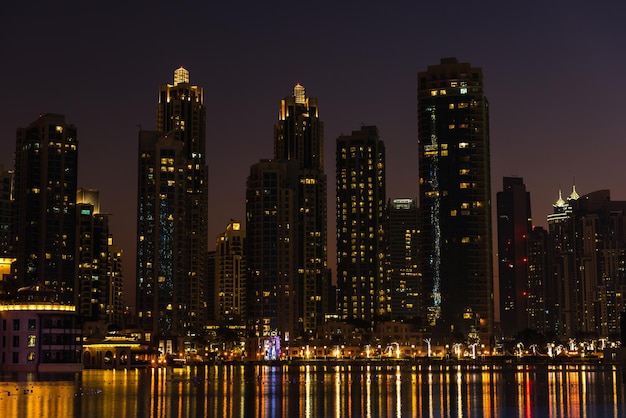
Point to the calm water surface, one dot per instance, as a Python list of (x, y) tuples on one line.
[(320, 391)]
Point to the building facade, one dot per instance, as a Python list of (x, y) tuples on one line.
[(230, 275), (172, 216), (590, 270), (402, 268), (455, 210), (562, 265), (273, 285), (361, 251), (44, 215), (514, 229), (286, 227), (39, 334), (6, 201)]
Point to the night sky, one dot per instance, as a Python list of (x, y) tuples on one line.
[(554, 74)]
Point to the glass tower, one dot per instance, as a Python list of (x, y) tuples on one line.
[(455, 202)]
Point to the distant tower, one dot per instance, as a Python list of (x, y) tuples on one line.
[(514, 229), (230, 274), (172, 216), (403, 273), (455, 202), (361, 277), (46, 166)]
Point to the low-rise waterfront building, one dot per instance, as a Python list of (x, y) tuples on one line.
[(38, 334)]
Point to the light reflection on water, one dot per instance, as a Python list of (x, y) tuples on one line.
[(318, 390)]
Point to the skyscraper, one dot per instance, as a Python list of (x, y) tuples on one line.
[(92, 232), (514, 229), (273, 286), (588, 243), (361, 277), (46, 167), (299, 136), (455, 201), (402, 268), (562, 264), (230, 274), (172, 215)]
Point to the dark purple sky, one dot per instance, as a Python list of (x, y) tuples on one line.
[(554, 72)]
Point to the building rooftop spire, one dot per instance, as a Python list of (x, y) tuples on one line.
[(299, 94), (181, 75), (560, 203)]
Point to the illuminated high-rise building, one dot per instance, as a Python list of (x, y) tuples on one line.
[(361, 277), (402, 269), (92, 233), (273, 284), (455, 202), (230, 274), (98, 263), (46, 164), (172, 216), (299, 136), (587, 240), (294, 178)]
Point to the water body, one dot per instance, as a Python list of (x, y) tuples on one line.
[(318, 390)]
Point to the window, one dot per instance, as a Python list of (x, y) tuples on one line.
[(31, 357), (16, 357), (16, 341), (32, 324), (16, 325), (32, 340)]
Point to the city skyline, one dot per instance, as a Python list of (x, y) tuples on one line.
[(554, 90)]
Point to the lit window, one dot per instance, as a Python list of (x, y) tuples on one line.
[(433, 92), (463, 90)]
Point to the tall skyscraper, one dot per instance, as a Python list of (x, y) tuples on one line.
[(113, 296), (591, 282), (273, 285), (299, 136), (172, 215), (92, 232), (46, 164), (402, 267), (455, 202), (514, 229), (562, 264), (361, 277), (230, 274)]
